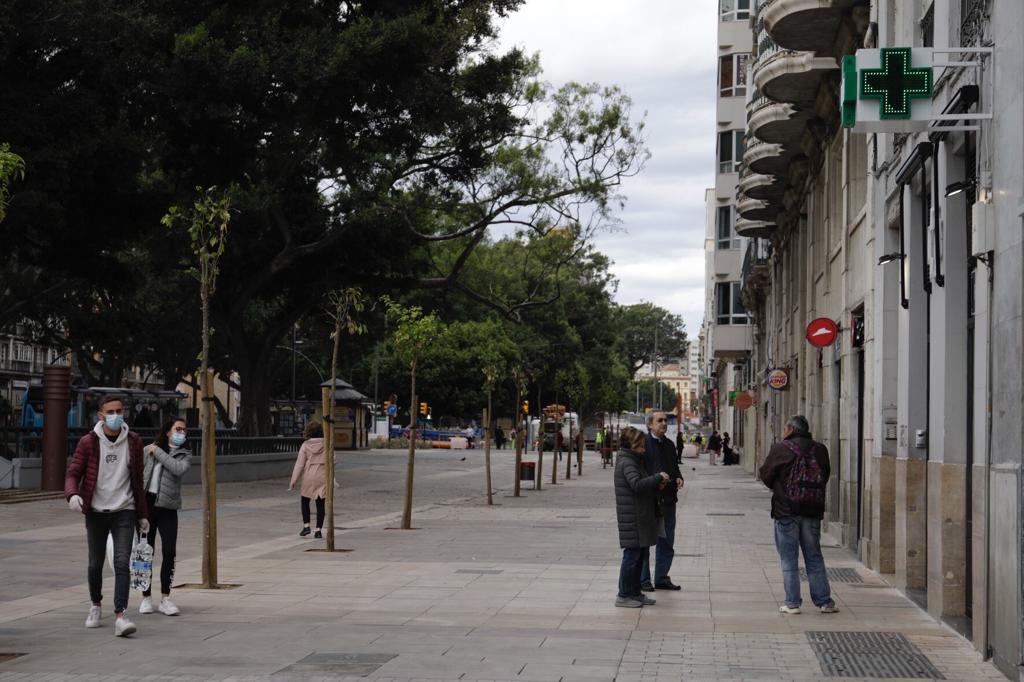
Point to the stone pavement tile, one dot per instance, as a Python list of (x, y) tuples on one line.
[(512, 620), (543, 672), (426, 666), (669, 624)]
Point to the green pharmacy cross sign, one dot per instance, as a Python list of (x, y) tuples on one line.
[(880, 88), (896, 82)]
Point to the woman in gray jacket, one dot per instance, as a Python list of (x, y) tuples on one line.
[(166, 462), (636, 510)]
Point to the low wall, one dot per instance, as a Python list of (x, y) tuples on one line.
[(26, 472)]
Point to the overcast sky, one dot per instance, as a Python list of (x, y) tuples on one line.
[(662, 54)]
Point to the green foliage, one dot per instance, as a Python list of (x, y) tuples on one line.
[(344, 308), (646, 328), (412, 332), (12, 168), (650, 393), (206, 224)]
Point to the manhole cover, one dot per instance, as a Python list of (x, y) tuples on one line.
[(339, 664), (838, 575), (481, 571), (876, 655)]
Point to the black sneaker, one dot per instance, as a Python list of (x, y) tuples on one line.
[(318, 535), (647, 587), (668, 585), (304, 532)]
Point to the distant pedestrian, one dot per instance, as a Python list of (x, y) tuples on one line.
[(598, 439), (636, 513), (499, 437), (661, 457), (559, 443), (680, 444), (797, 471), (512, 439), (470, 434), (714, 446), (726, 449), (104, 482), (166, 462), (311, 467), (699, 442)]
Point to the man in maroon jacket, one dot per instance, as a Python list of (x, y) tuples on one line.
[(798, 521), (104, 482)]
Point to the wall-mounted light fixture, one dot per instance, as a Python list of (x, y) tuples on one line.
[(890, 257), (959, 186)]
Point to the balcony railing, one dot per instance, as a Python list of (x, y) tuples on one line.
[(755, 260), (974, 16)]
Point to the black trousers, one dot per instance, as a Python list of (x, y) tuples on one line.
[(120, 525), (166, 522), (319, 511)]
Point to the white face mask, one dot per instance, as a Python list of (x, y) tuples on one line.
[(113, 421), (177, 439)]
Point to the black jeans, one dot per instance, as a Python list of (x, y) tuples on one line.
[(120, 525), (319, 511), (165, 521)]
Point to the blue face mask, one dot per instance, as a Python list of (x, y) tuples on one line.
[(113, 421), (177, 439)]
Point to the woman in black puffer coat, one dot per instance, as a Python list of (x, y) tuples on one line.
[(636, 509)]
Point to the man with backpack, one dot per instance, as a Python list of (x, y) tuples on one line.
[(797, 471)]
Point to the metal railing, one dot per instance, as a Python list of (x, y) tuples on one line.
[(756, 256), (20, 441)]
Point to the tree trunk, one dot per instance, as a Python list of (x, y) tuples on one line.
[(487, 447), (519, 443), (330, 454), (411, 463), (209, 456)]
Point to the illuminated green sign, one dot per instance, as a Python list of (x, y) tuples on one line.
[(887, 89)]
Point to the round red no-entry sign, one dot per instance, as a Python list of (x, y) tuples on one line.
[(822, 332)]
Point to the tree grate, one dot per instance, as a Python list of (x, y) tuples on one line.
[(874, 655), (837, 575)]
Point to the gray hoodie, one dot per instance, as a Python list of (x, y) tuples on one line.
[(171, 469)]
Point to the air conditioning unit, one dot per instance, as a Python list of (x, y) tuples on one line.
[(982, 228)]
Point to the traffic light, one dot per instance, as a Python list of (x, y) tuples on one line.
[(423, 409), (526, 407)]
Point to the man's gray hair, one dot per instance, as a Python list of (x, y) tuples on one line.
[(650, 416), (798, 422)]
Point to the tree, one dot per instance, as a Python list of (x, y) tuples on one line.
[(646, 330), (355, 126), (646, 388), (412, 334), (206, 224), (343, 306)]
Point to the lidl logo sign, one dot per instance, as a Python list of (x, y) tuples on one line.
[(887, 90)]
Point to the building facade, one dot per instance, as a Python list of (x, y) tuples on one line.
[(911, 243), (726, 337)]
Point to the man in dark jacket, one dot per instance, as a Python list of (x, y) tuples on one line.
[(636, 513), (661, 456), (798, 521), (104, 482)]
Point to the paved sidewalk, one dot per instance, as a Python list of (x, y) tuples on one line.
[(523, 590)]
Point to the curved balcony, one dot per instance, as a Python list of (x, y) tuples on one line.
[(805, 25), (757, 186), (766, 158), (776, 122), (791, 76), (756, 209), (755, 228)]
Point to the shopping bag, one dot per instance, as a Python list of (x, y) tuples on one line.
[(140, 564)]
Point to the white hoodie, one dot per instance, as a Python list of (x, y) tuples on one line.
[(113, 479)]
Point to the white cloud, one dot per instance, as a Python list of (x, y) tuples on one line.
[(662, 54)]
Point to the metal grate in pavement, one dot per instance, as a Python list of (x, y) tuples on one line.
[(838, 575), (338, 664), (875, 655)]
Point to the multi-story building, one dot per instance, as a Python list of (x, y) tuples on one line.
[(727, 331), (21, 365), (676, 375), (910, 243)]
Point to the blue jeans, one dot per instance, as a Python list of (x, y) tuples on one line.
[(665, 549), (629, 572), (793, 535), (121, 525)]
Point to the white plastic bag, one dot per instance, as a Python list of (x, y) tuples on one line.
[(140, 564)]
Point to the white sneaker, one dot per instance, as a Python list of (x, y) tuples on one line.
[(789, 609), (93, 619), (146, 606), (123, 627), (167, 607)]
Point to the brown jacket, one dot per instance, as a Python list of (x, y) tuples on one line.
[(85, 466)]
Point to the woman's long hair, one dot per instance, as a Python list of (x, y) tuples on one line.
[(162, 441), (630, 437)]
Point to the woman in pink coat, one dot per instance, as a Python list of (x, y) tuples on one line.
[(311, 467)]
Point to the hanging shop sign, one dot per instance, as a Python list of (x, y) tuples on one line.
[(822, 332), (888, 90), (743, 401), (778, 379)]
